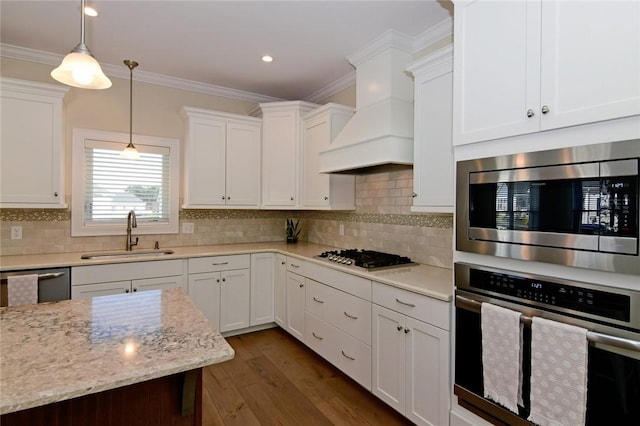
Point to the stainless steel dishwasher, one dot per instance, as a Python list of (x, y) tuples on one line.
[(54, 284)]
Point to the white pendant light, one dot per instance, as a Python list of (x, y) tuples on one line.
[(79, 68), (130, 152)]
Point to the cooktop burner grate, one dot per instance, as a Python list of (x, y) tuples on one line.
[(368, 259)]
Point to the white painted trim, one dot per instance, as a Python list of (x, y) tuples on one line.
[(31, 55), (433, 35), (333, 88)]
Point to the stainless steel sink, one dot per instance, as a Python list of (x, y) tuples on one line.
[(126, 254)]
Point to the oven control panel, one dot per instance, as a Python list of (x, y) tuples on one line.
[(596, 302)]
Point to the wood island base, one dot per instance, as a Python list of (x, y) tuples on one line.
[(171, 400)]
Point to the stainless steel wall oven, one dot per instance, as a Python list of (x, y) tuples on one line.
[(572, 206), (611, 316)]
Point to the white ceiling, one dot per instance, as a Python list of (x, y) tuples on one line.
[(220, 43)]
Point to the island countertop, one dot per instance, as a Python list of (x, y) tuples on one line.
[(56, 351)]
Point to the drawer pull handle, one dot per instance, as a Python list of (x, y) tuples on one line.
[(411, 305), (349, 316), (294, 265), (347, 356), (316, 336), (317, 300), (220, 264)]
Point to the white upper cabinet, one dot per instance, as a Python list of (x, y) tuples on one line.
[(31, 163), (321, 190), (529, 66), (282, 132), (432, 148), (222, 160)]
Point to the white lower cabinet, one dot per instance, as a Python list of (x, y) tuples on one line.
[(294, 322), (338, 327), (263, 274), (280, 290), (103, 280), (220, 286), (410, 357)]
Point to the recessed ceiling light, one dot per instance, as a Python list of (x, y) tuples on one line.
[(89, 11), (267, 58)]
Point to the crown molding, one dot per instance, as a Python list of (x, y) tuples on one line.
[(333, 88), (434, 34), (32, 55)]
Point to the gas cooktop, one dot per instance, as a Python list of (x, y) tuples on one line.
[(367, 259)]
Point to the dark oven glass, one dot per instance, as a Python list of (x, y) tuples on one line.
[(613, 385), (572, 206)]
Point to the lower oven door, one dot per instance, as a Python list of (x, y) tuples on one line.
[(613, 383)]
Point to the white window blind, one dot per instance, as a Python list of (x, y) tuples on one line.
[(116, 185), (106, 186)]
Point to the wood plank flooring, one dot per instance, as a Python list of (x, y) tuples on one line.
[(276, 380)]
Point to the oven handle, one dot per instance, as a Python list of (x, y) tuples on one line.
[(592, 336)]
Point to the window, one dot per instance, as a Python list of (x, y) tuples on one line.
[(106, 186)]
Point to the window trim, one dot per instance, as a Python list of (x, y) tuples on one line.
[(78, 228)]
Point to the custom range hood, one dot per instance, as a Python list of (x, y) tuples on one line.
[(380, 134)]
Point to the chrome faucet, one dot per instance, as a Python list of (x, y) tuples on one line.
[(131, 223)]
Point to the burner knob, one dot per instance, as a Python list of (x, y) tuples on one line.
[(349, 262)]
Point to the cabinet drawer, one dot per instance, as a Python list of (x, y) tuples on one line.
[(423, 308), (219, 263), (346, 312), (351, 284), (297, 266), (125, 271), (342, 350)]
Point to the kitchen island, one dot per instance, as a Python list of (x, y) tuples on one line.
[(107, 360)]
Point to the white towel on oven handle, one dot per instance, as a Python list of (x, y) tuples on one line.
[(502, 355), (559, 354)]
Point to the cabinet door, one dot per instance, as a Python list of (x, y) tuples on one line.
[(263, 267), (427, 373), (280, 291), (496, 69), (388, 357), (161, 283), (316, 185), (590, 61), (243, 164), (235, 289), (88, 291), (32, 145), (204, 290), (295, 305), (433, 151), (280, 153), (205, 162)]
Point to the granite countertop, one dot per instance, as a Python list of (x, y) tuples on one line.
[(427, 280), (61, 350)]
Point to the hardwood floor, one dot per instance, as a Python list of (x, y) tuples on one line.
[(276, 380)]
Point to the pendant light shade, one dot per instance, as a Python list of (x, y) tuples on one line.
[(130, 152), (79, 68)]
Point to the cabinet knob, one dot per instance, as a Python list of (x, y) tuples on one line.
[(218, 280), (135, 289), (406, 331), (55, 194), (223, 197), (283, 263), (224, 280), (399, 328), (291, 198), (414, 195), (545, 109), (326, 198), (301, 285), (228, 197), (530, 113), (126, 290)]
